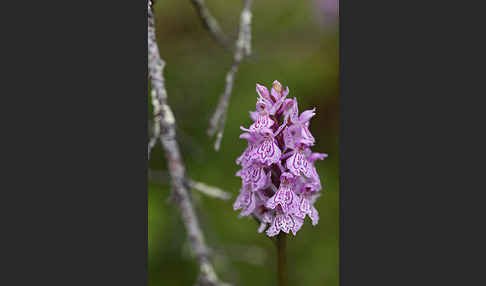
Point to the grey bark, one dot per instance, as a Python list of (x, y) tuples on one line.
[(242, 49), (165, 119), (211, 24)]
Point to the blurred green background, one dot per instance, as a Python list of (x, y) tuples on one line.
[(291, 43)]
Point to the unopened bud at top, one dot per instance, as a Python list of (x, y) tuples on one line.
[(277, 86)]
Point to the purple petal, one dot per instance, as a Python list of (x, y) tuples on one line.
[(286, 107), (314, 197), (267, 218), (245, 129), (298, 222), (276, 91), (284, 222), (268, 151), (305, 205), (314, 216), (298, 163), (294, 113), (272, 230), (315, 178), (253, 115), (254, 176), (262, 227), (262, 91), (246, 136), (250, 205), (316, 156), (292, 164), (262, 180), (279, 102), (310, 188), (285, 92), (246, 158), (307, 137), (246, 201), (284, 197), (281, 127), (307, 115), (262, 121)]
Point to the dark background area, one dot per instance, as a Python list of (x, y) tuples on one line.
[(295, 42)]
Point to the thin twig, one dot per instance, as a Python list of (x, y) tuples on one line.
[(157, 120), (211, 24), (209, 190), (151, 145), (243, 48), (176, 167)]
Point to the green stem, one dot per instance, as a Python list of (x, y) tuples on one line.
[(281, 261)]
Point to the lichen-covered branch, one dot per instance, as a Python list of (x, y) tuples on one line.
[(242, 49), (210, 23), (166, 121), (157, 119)]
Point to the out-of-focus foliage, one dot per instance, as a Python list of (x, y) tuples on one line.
[(290, 44)]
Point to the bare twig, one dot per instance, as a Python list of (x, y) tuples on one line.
[(163, 177), (151, 145), (210, 23), (243, 48), (209, 190), (157, 120), (176, 167)]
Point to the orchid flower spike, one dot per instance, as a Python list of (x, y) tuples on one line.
[(280, 183)]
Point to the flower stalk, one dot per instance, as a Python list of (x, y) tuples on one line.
[(281, 259)]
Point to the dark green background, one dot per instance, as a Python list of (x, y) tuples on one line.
[(290, 45)]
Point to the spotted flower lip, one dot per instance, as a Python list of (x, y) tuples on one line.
[(285, 197), (280, 183), (263, 121), (255, 176), (246, 201), (265, 147)]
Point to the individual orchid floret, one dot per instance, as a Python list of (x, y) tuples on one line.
[(284, 222), (287, 108), (298, 163), (246, 201), (280, 183), (302, 122), (311, 158), (266, 150), (306, 207), (262, 120), (299, 125), (246, 158), (295, 135), (269, 104), (254, 176), (285, 197)]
